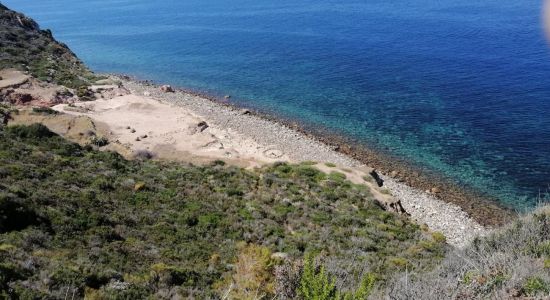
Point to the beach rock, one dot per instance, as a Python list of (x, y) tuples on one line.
[(139, 186), (144, 155), (245, 112), (227, 97), (392, 205), (132, 130), (146, 94), (20, 98), (435, 190), (273, 153), (377, 178), (167, 88), (101, 88), (202, 126), (143, 136)]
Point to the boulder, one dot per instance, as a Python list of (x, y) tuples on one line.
[(392, 205), (202, 126), (20, 98), (139, 186), (167, 88), (100, 88), (379, 181)]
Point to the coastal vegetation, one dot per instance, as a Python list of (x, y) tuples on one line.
[(24, 46), (76, 222), (92, 223), (79, 221), (513, 262)]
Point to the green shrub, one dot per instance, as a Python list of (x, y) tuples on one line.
[(337, 176), (99, 141), (44, 110), (84, 93), (253, 275), (316, 284), (439, 237), (534, 286), (37, 130)]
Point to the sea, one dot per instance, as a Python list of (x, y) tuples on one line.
[(459, 88)]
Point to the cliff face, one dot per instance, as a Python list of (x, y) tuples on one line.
[(24, 46)]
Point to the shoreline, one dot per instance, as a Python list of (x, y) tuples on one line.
[(144, 118), (457, 223), (482, 208)]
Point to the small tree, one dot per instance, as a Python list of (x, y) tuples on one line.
[(316, 284)]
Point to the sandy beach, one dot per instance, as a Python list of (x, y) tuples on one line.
[(186, 127)]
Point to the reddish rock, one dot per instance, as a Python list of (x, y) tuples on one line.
[(20, 98)]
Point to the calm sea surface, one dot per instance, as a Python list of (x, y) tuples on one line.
[(459, 87)]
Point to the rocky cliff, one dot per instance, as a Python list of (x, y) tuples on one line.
[(26, 47)]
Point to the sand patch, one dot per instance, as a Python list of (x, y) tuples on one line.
[(171, 132)]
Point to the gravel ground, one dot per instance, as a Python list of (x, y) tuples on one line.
[(424, 208)]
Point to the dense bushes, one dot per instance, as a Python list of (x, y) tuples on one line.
[(5, 114), (513, 262), (34, 131), (96, 224)]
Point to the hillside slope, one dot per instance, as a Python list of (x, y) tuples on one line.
[(512, 263), (24, 46), (90, 222)]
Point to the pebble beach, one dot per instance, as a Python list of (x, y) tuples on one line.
[(423, 207)]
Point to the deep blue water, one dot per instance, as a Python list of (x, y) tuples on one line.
[(460, 87)]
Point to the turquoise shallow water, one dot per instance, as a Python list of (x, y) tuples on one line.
[(460, 88)]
